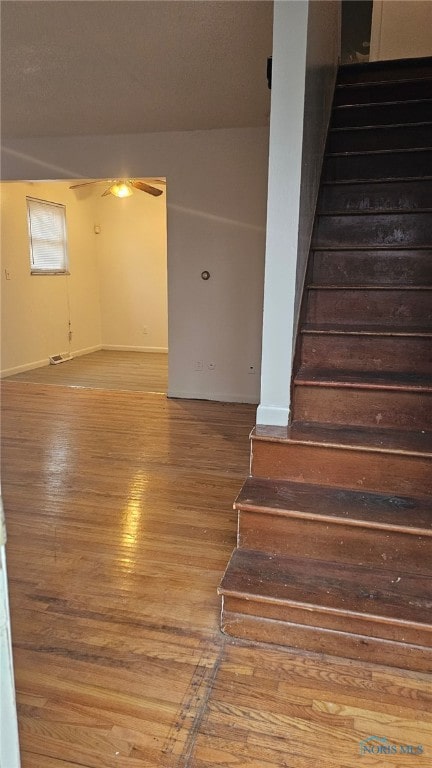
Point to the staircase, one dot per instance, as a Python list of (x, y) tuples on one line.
[(334, 550)]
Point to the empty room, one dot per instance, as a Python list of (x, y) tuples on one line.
[(216, 384)]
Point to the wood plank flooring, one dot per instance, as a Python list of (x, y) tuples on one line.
[(120, 523), (105, 369)]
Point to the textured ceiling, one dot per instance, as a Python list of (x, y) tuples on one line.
[(73, 67)]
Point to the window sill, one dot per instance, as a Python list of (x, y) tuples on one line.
[(48, 272)]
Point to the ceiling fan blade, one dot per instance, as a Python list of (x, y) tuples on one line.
[(146, 188), (87, 183)]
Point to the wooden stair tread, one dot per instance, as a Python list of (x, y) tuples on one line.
[(409, 112), (391, 597), (364, 330), (351, 438), (395, 195), (374, 212), (372, 84), (337, 505), (392, 267), (369, 248), (369, 104), (378, 127), (392, 151), (367, 379), (386, 69), (366, 287), (384, 180)]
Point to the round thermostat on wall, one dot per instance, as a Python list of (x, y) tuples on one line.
[(205, 275)]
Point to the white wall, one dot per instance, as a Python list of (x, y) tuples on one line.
[(401, 30), (216, 193), (125, 266), (306, 45), (132, 259), (35, 308)]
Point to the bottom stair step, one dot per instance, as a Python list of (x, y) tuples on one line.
[(300, 595)]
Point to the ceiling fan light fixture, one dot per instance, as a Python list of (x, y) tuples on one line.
[(121, 189)]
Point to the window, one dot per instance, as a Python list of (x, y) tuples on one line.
[(47, 235)]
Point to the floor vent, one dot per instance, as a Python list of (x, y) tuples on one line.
[(56, 359)]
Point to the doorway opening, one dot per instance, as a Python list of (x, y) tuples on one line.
[(356, 31), (108, 310)]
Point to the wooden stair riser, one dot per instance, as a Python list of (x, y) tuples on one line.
[(366, 626), (337, 506), (370, 307), (355, 352), (382, 114), (386, 165), (285, 534), (375, 196), (389, 137), (385, 71), (382, 408), (380, 93), (311, 636), (374, 230), (399, 473), (388, 267)]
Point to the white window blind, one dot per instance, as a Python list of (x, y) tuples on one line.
[(47, 234)]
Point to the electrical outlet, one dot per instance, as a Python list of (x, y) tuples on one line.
[(211, 366), (252, 369), (198, 365), (145, 330)]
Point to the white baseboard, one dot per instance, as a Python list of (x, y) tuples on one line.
[(123, 348), (25, 367), (216, 396), (274, 417), (42, 363), (85, 350)]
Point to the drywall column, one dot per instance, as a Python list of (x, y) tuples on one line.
[(306, 41), (283, 207)]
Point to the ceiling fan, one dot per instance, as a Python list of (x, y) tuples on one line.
[(125, 187)]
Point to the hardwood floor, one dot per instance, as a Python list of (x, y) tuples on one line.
[(105, 369), (120, 523)]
